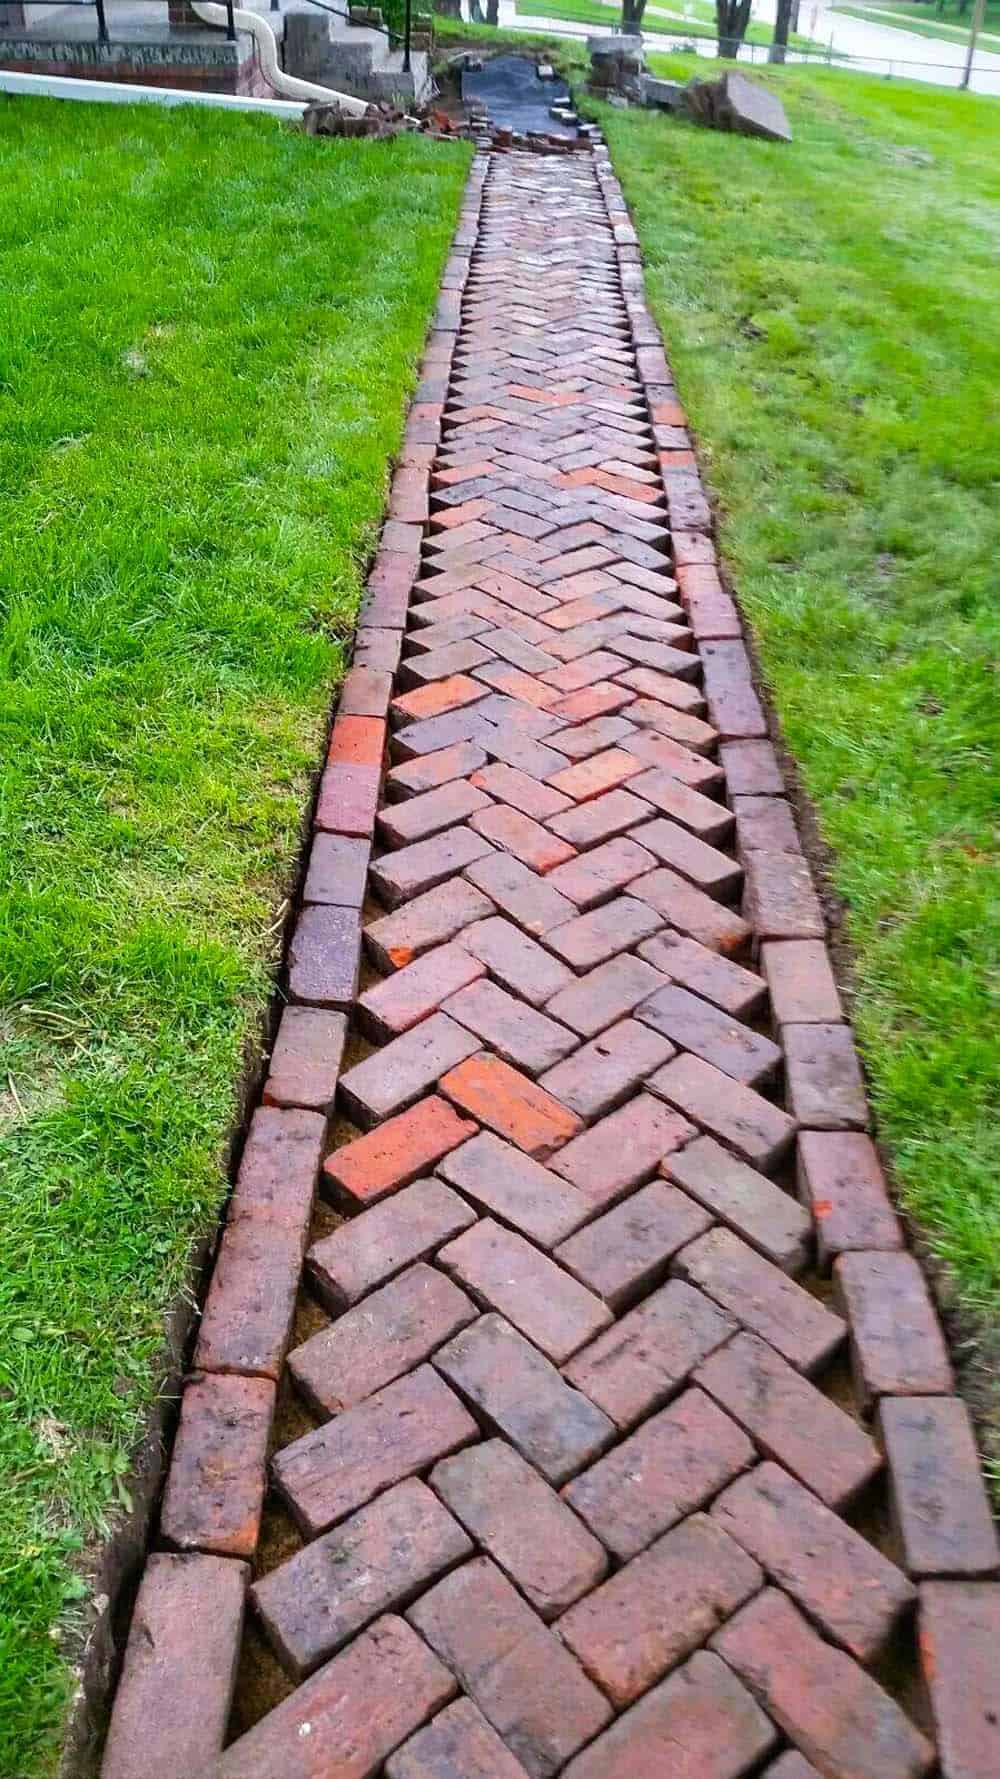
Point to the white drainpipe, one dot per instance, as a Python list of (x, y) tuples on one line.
[(288, 86)]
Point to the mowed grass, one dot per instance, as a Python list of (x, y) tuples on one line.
[(665, 20), (211, 329), (827, 307)]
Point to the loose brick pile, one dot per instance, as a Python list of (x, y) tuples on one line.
[(627, 1441)]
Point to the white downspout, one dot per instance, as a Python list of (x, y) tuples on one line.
[(288, 86)]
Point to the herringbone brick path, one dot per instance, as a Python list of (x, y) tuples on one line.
[(617, 1436)]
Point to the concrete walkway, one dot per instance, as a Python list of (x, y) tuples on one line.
[(616, 1435)]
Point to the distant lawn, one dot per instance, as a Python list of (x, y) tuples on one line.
[(668, 22), (211, 330), (828, 308), (950, 26)]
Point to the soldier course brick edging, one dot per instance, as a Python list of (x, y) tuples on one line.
[(607, 1222)]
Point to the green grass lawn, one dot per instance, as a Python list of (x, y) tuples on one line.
[(592, 12), (828, 310), (925, 21), (211, 328)]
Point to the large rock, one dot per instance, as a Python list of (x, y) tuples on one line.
[(661, 95), (616, 62), (736, 103)]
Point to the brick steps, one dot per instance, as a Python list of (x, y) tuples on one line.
[(607, 1359)]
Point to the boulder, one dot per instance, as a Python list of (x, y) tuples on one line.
[(736, 103), (616, 63), (661, 95)]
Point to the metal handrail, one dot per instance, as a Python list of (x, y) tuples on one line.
[(393, 37)]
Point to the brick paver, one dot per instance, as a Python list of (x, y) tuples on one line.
[(565, 1438)]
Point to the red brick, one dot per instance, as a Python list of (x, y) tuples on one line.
[(705, 866), (520, 791), (419, 818), (621, 1150), (659, 1608), (338, 870), (251, 1300), (677, 724), (378, 650), (762, 1297), (764, 824), (646, 652), (790, 1420), (527, 898), (765, 1216), (431, 919), (512, 1385), (510, 1104), (671, 1465), (733, 706), (173, 1699), (354, 1710), (515, 683), (601, 933), (601, 1074), (348, 796), (678, 693), (522, 1524), (940, 1510), (824, 1086), (842, 1183), (522, 836), (365, 693), (840, 1580), (624, 1254), (311, 1605), (515, 961), (591, 823), (398, 876), (305, 1059), (706, 819), (391, 1079), (374, 1165), (595, 876), (691, 546), (357, 741), (215, 1486), (336, 1468), (518, 1033), (427, 771), (836, 1714), (636, 1365), (508, 1274), (717, 979), (324, 956), (671, 756), (443, 665), (699, 1724), (519, 1191), (592, 1002), (403, 1000), (573, 676), (758, 1131), (522, 1678), (277, 1173), (436, 699), (582, 740), (897, 1348), (792, 1765), (751, 769), (373, 1247), (779, 899), (387, 1334), (695, 1025), (602, 698), (800, 982), (459, 1744), (592, 777), (959, 1638)]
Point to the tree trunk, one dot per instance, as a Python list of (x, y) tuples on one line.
[(731, 20), (492, 12), (782, 20), (632, 11)]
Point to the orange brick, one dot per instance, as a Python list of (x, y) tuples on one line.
[(395, 1153), (510, 1104)]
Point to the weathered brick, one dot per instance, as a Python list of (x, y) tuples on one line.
[(717, 979), (348, 798), (369, 1346), (622, 1150), (678, 693), (708, 820), (683, 764), (399, 876), (522, 1524), (689, 730), (443, 663), (172, 1704), (733, 706), (519, 1033), (762, 1297), (636, 1365), (506, 1273), (764, 824), (836, 1714), (522, 1193), (751, 769), (392, 1078), (800, 982), (365, 693), (765, 1216), (311, 1605), (690, 911), (590, 823), (595, 876), (758, 1131), (248, 1313), (897, 1347), (705, 866), (790, 1420), (695, 1025), (584, 739), (391, 1156), (841, 1181), (215, 1485), (521, 836), (459, 1744), (432, 919), (940, 1509), (665, 1470), (438, 699), (356, 1709), (659, 1608), (527, 794), (791, 1765), (522, 1678), (521, 893), (515, 1387), (700, 1722), (404, 999), (601, 699), (840, 1580), (421, 817), (595, 776), (779, 900), (371, 1248), (590, 938), (515, 961), (592, 1002), (510, 1104), (599, 1075), (324, 956), (336, 1468), (305, 1059), (412, 778), (959, 1638), (824, 1085), (623, 1254), (277, 1172), (338, 870)]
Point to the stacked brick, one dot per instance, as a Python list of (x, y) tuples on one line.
[(616, 1352)]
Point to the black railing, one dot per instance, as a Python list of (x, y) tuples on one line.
[(394, 37)]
